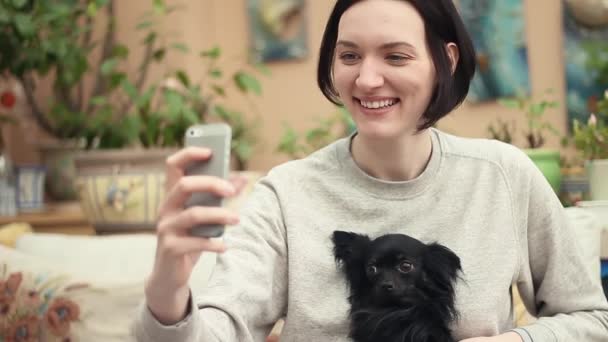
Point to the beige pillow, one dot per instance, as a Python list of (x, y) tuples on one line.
[(39, 300)]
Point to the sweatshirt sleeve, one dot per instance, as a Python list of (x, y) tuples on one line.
[(246, 293), (553, 280)]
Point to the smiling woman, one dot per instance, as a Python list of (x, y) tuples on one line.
[(398, 66)]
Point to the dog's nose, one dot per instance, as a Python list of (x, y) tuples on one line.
[(387, 286)]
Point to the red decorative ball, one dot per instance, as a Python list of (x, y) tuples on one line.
[(8, 99)]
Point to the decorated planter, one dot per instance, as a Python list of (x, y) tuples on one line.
[(58, 158), (548, 163), (121, 190)]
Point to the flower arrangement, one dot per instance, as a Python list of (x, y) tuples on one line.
[(591, 139), (35, 309)]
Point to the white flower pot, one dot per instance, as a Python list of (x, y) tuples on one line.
[(597, 173)]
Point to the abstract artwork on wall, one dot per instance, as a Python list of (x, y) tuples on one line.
[(278, 29), (498, 32), (585, 41)]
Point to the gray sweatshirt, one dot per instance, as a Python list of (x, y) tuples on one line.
[(483, 199)]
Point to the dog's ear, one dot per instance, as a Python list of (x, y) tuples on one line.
[(442, 265), (348, 246)]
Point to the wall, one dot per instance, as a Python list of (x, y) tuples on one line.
[(290, 93)]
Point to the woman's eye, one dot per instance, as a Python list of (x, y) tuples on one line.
[(348, 57), (397, 58), (406, 267)]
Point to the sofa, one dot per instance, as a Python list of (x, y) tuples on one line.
[(87, 288)]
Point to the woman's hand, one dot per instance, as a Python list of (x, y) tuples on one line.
[(167, 291), (506, 337)]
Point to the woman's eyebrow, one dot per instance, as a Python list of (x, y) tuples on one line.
[(390, 45)]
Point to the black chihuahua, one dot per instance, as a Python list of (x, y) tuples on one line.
[(400, 288)]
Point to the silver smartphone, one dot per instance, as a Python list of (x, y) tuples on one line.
[(217, 137)]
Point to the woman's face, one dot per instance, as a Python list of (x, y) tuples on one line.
[(382, 67)]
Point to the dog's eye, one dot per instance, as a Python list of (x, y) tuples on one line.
[(371, 269), (406, 267)]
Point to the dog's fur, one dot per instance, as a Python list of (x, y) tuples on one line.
[(401, 289)]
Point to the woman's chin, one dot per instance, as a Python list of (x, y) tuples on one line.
[(377, 131)]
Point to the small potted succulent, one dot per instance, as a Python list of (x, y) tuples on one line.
[(547, 159), (591, 140)]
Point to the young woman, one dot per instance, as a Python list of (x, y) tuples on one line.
[(398, 66)]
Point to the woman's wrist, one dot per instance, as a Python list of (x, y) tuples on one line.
[(168, 306)]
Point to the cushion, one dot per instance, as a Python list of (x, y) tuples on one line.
[(107, 259), (10, 233), (41, 301)]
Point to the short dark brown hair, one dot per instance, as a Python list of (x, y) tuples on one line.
[(442, 25)]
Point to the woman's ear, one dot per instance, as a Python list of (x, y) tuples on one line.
[(453, 54)]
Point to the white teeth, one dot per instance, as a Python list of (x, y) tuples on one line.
[(377, 104)]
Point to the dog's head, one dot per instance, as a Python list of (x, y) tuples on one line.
[(396, 270)]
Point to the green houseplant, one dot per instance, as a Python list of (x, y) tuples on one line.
[(337, 125), (591, 140), (127, 121), (537, 128), (502, 131), (38, 39), (118, 108)]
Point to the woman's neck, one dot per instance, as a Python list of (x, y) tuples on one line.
[(393, 160)]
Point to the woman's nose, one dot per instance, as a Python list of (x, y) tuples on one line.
[(369, 76)]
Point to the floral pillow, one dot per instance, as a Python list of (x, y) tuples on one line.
[(36, 307), (40, 301)]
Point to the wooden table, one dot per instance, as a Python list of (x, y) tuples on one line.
[(60, 218)]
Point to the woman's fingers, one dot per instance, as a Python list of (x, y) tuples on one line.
[(177, 163), (180, 223), (187, 185), (239, 182), (177, 246)]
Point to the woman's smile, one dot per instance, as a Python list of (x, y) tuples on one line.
[(376, 106)]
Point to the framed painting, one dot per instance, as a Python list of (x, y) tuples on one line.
[(586, 56), (497, 28), (278, 29)]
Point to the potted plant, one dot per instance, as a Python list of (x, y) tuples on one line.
[(547, 160), (120, 109), (127, 123), (591, 140), (338, 125), (502, 131)]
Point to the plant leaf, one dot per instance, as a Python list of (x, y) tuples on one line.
[(116, 79), (182, 76), (144, 25), (159, 7), (120, 51), (129, 88), (159, 54), (24, 24), (218, 90), (18, 4), (221, 112), (150, 38), (246, 83), (510, 103), (180, 47), (108, 66), (92, 9), (213, 53), (215, 73)]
